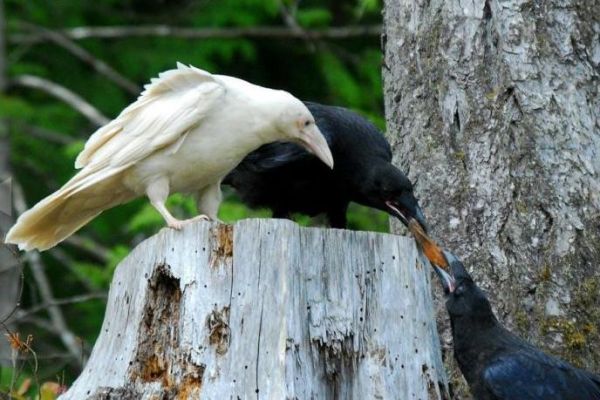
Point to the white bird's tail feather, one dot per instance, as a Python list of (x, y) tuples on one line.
[(62, 213), (161, 117)]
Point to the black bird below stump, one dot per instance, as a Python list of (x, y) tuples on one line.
[(287, 179), (497, 364)]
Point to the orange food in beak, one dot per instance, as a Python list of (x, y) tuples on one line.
[(431, 250)]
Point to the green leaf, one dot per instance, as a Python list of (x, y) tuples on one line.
[(50, 391), (340, 81), (313, 17), (370, 5), (73, 149), (93, 273), (13, 107), (231, 211)]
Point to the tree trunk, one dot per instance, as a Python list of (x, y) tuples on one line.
[(495, 107), (266, 309), (10, 270)]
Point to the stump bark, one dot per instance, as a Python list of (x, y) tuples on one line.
[(267, 309)]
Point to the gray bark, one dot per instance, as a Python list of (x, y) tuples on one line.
[(495, 107), (266, 309), (10, 270)]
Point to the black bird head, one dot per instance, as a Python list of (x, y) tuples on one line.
[(389, 190), (464, 297)]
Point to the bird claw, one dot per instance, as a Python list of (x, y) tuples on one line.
[(176, 224), (200, 217), (179, 224)]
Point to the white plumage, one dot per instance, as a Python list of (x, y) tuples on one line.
[(185, 132)]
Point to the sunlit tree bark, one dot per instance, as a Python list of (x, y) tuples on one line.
[(495, 107)]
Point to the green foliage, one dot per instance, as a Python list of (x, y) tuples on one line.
[(367, 6), (340, 80), (343, 72), (360, 217), (232, 210), (23, 388), (14, 107), (314, 17)]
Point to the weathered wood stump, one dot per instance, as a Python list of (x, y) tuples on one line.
[(267, 309)]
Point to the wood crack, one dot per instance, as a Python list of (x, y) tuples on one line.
[(260, 324)]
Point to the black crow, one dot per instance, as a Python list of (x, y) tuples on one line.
[(496, 363), (287, 179)]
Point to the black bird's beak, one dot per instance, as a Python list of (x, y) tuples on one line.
[(448, 281), (456, 269), (405, 208)]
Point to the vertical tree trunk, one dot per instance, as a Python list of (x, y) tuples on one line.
[(495, 107), (267, 310), (9, 266)]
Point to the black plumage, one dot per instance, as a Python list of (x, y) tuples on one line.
[(496, 363), (287, 179)]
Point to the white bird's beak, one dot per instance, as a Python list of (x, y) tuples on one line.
[(314, 141)]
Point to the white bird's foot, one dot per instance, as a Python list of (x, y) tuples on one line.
[(201, 217), (178, 224)]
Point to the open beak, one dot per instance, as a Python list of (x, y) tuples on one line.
[(406, 208), (453, 272), (314, 141), (448, 281)]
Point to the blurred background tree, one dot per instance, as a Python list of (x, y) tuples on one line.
[(70, 65)]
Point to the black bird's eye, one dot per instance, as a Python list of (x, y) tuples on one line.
[(384, 187), (307, 123), (460, 289)]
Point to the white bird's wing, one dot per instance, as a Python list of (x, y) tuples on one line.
[(169, 107)]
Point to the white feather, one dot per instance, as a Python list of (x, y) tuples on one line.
[(186, 130)]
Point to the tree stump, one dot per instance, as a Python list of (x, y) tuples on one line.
[(267, 309)]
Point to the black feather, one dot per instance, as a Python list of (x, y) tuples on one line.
[(287, 179), (499, 365)]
